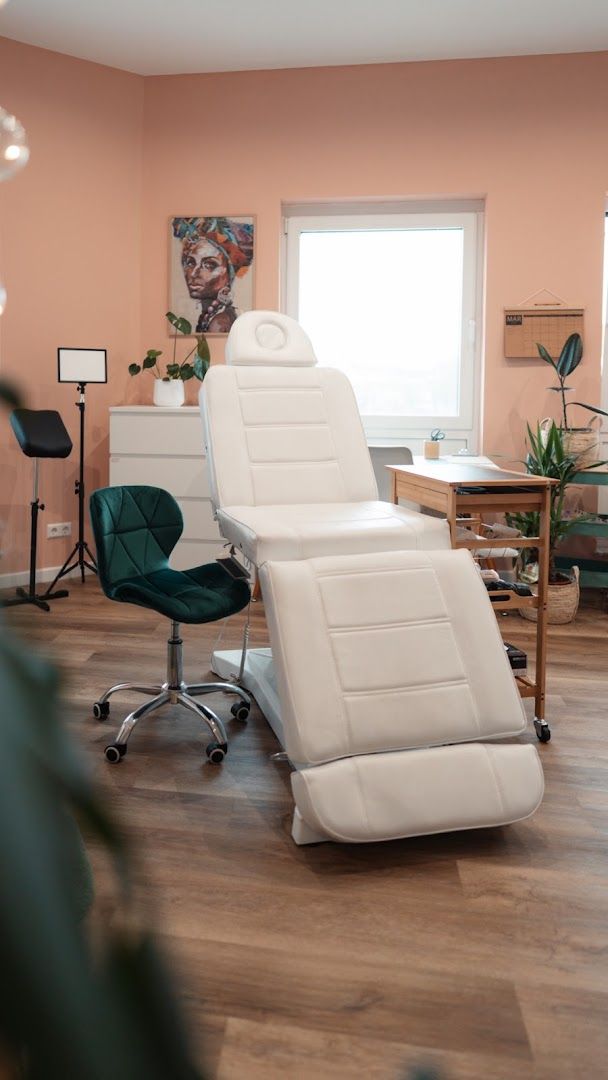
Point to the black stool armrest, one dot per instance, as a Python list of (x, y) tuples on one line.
[(41, 433)]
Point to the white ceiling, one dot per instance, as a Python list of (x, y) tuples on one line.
[(163, 37)]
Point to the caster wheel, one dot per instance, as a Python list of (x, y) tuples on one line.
[(543, 731), (101, 710), (114, 753), (240, 710), (216, 752)]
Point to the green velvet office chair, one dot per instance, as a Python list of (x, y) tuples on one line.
[(135, 530)]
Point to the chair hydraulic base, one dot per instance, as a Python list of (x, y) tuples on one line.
[(256, 673), (174, 691)]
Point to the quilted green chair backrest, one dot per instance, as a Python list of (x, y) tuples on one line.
[(135, 530)]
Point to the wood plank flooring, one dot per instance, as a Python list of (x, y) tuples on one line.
[(481, 954)]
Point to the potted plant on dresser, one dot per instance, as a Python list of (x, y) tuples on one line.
[(580, 442), (169, 388), (547, 456)]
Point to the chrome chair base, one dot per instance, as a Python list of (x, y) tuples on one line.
[(174, 691)]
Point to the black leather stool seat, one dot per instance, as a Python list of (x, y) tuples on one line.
[(41, 433)]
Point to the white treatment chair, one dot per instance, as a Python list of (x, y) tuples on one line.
[(290, 471), (394, 686)]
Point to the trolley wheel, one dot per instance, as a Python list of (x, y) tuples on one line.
[(543, 731), (101, 710), (216, 752), (115, 753), (240, 710)]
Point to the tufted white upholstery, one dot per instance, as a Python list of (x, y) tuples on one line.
[(387, 796), (303, 531), (266, 338), (284, 435), (402, 652), (405, 651), (290, 470)]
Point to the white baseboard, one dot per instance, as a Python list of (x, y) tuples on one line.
[(22, 577)]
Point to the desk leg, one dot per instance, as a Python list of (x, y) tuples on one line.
[(542, 729), (451, 514), (394, 496)]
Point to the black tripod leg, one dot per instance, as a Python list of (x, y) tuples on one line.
[(65, 569), (25, 598), (91, 557), (57, 595)]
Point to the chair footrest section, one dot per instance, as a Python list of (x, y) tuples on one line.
[(411, 793)]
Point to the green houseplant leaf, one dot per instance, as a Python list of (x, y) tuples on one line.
[(570, 356), (200, 368), (569, 359), (547, 456), (185, 370), (181, 325), (591, 408), (546, 356), (202, 348)]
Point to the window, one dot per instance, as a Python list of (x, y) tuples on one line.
[(392, 300)]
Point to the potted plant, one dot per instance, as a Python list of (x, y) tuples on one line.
[(582, 443), (547, 456), (169, 388)]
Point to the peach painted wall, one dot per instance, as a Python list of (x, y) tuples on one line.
[(70, 260), (527, 133), (83, 230)]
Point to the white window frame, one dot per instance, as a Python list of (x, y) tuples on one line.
[(464, 429)]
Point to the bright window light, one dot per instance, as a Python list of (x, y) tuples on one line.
[(392, 299), (385, 306)]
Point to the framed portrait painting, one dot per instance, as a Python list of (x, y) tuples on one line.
[(211, 270)]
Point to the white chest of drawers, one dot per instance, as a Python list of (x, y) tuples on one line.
[(164, 448)]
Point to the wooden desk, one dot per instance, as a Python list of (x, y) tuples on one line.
[(457, 489)]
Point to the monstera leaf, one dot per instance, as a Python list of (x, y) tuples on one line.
[(181, 325)]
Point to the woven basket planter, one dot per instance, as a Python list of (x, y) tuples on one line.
[(581, 443), (562, 601)]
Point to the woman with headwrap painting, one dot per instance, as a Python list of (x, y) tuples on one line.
[(215, 251)]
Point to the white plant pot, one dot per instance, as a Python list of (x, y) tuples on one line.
[(169, 395)]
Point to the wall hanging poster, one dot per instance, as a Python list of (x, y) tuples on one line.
[(211, 270)]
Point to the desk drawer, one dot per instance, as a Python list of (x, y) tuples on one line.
[(183, 477), (156, 432)]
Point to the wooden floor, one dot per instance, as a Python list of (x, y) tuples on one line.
[(484, 954)]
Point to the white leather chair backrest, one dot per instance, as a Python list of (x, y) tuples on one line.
[(388, 455), (386, 651), (278, 429), (268, 339)]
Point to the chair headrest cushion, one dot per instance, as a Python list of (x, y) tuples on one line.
[(268, 339)]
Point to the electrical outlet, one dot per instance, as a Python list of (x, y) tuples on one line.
[(63, 528)]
